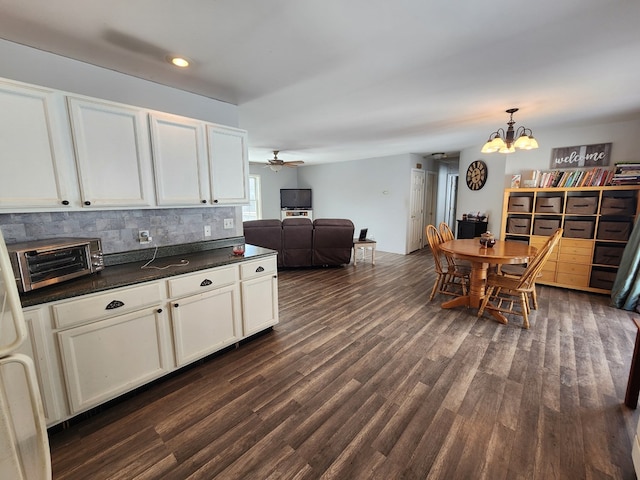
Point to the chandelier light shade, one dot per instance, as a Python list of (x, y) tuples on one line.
[(503, 142), (275, 168)]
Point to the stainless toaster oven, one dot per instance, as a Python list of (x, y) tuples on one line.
[(40, 263)]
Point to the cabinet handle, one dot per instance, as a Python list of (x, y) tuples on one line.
[(159, 310), (259, 269), (206, 282), (176, 305), (87, 203), (275, 276), (65, 202), (114, 304), (215, 201), (203, 201)]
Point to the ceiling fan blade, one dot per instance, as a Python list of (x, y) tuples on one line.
[(294, 162)]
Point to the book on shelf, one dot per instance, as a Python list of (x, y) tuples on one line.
[(626, 174), (594, 177)]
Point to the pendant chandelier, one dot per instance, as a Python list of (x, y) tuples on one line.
[(503, 142)]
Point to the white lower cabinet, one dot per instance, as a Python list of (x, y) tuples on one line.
[(205, 323), (205, 312), (91, 349), (259, 294), (106, 358)]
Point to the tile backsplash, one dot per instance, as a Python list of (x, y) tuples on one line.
[(118, 229)]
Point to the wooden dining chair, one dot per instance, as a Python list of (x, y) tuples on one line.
[(450, 280), (447, 234), (509, 294)]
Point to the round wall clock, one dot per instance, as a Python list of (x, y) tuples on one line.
[(476, 175)]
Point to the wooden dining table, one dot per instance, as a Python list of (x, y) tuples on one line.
[(503, 252)]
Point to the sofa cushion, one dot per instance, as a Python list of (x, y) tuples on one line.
[(332, 241), (297, 242), (264, 233)]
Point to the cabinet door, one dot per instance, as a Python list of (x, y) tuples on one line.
[(37, 159), (205, 323), (40, 349), (180, 160), (104, 359), (228, 165), (112, 153), (259, 303)]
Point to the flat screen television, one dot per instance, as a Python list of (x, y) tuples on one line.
[(295, 198)]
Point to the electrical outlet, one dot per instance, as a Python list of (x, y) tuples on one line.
[(207, 230), (228, 223), (143, 236)]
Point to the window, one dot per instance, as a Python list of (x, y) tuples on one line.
[(253, 211)]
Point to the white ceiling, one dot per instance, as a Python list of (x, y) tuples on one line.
[(330, 80)]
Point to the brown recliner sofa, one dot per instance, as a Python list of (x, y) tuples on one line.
[(265, 233), (302, 243)]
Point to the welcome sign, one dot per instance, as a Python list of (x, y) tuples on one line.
[(597, 155)]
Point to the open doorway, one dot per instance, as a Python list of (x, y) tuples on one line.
[(451, 200), (448, 174)]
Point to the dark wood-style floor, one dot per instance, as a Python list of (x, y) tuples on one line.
[(364, 378)]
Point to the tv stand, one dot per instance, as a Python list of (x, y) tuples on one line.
[(286, 213)]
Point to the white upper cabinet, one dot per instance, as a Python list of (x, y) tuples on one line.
[(191, 170), (229, 165), (36, 159), (70, 152), (180, 160), (113, 154)]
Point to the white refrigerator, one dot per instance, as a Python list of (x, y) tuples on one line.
[(24, 445)]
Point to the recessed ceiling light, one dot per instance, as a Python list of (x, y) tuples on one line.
[(179, 61)]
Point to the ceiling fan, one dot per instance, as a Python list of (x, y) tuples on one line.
[(276, 164)]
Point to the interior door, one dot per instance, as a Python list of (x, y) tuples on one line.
[(416, 210), (430, 201)]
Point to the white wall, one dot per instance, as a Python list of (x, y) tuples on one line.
[(271, 182), (37, 67), (372, 193), (623, 136)]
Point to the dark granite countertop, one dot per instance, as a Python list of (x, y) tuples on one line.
[(120, 275)]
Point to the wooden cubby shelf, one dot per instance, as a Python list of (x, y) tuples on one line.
[(597, 222)]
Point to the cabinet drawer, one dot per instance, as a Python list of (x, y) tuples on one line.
[(539, 242), (572, 280), (546, 276), (576, 258), (572, 247), (574, 268), (202, 281), (103, 305), (257, 268), (549, 266)]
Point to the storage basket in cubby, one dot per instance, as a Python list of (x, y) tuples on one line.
[(618, 206), (520, 204), (608, 254), (578, 228), (518, 225), (602, 279), (545, 226), (549, 205), (613, 230), (581, 205)]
